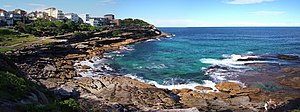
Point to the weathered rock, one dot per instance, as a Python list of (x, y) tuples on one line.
[(220, 95), (203, 88), (245, 91), (127, 91), (184, 90), (240, 100), (194, 109), (228, 86), (49, 84), (175, 91), (49, 68), (85, 67), (290, 70), (291, 82)]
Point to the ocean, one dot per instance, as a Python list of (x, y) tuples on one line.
[(204, 56)]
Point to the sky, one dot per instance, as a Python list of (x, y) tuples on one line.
[(178, 13)]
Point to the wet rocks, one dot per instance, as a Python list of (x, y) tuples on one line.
[(290, 70), (287, 57), (203, 88), (291, 82)]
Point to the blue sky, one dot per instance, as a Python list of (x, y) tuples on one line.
[(179, 13)]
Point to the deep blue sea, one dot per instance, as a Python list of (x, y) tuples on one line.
[(187, 57)]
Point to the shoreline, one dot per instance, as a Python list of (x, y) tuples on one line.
[(109, 90)]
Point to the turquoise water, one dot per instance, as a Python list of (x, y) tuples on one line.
[(179, 58)]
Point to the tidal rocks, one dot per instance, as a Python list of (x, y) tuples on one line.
[(291, 82), (228, 86), (290, 70), (203, 88), (287, 57)]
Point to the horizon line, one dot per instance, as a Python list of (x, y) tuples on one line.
[(217, 26)]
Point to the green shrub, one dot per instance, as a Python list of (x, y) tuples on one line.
[(12, 87), (70, 104), (116, 33)]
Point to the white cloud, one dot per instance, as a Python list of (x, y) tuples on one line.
[(247, 1), (268, 13)]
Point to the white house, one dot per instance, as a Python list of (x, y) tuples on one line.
[(85, 18), (57, 14), (72, 16)]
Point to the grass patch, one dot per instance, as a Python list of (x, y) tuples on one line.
[(10, 37), (3, 50)]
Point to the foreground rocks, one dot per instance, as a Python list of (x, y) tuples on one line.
[(232, 97), (111, 90), (120, 93)]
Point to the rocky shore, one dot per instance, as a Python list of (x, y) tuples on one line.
[(53, 68)]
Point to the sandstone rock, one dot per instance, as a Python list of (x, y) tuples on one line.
[(203, 88), (49, 68), (127, 91), (85, 67), (228, 86), (189, 101), (194, 109), (291, 82), (175, 91), (220, 95), (245, 91), (49, 84), (184, 90), (240, 100), (290, 70), (67, 67), (257, 97), (69, 62)]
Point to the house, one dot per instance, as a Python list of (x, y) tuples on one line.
[(116, 22), (21, 12), (85, 18), (110, 17), (57, 14), (95, 21), (3, 15), (38, 14), (72, 16), (12, 17)]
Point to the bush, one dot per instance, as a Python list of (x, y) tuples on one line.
[(116, 33), (12, 87), (69, 104)]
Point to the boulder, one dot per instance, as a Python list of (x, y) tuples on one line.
[(49, 68), (240, 100), (228, 86)]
